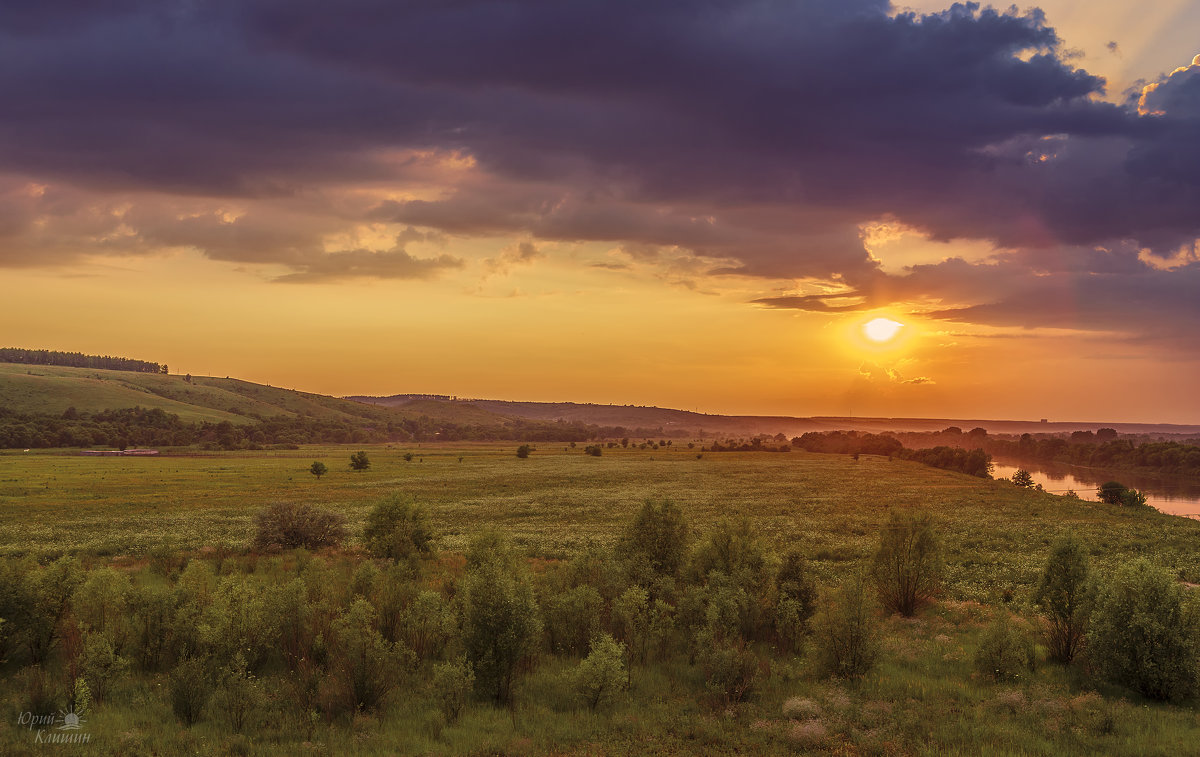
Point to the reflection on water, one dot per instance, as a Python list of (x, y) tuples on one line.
[(1168, 494)]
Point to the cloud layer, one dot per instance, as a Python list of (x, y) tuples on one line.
[(753, 134)]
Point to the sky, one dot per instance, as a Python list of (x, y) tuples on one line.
[(684, 204)]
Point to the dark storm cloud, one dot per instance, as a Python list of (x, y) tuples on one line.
[(755, 133)]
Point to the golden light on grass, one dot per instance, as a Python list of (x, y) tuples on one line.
[(881, 329)]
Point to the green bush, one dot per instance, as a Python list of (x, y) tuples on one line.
[(907, 569), (366, 666), (190, 689), (241, 619), (601, 676), (428, 624), (42, 599), (795, 601), (452, 684), (501, 628), (289, 525), (1004, 653), (572, 618), (523, 451), (238, 697), (1064, 595), (359, 461), (730, 668), (654, 543), (846, 632), (100, 665), (397, 529), (1145, 633), (152, 608), (101, 604)]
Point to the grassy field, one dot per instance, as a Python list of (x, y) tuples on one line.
[(924, 698), (558, 499)]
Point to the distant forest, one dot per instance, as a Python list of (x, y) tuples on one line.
[(77, 360), (142, 427)]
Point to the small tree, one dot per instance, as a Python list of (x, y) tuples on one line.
[(523, 451), (359, 461), (601, 676), (907, 569), (655, 542), (1064, 596), (287, 525), (452, 684), (1023, 478), (398, 529), (1145, 633), (1110, 492), (846, 632), (1003, 652), (501, 628), (318, 469)]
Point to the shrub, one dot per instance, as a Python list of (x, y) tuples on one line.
[(907, 569), (1110, 492), (796, 600), (367, 667), (398, 529), (452, 684), (730, 667), (1064, 595), (318, 469), (242, 618), (1004, 652), (238, 697), (359, 461), (289, 525), (655, 542), (100, 665), (846, 632), (501, 628), (523, 451), (427, 624), (572, 618), (101, 604), (631, 618), (1023, 478), (43, 595), (190, 689), (1145, 633), (601, 676), (733, 549)]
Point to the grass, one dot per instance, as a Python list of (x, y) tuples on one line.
[(924, 698), (996, 535)]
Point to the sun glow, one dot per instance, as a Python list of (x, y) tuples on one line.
[(881, 329)]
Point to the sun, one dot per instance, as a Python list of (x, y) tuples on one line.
[(881, 329)]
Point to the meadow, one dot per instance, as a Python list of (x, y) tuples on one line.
[(924, 697)]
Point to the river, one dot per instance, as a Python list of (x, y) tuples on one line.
[(1166, 493)]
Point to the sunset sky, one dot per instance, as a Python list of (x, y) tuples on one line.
[(685, 204)]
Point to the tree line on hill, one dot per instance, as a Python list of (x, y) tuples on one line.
[(77, 360), (154, 427)]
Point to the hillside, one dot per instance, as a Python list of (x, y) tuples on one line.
[(684, 421), (52, 389)]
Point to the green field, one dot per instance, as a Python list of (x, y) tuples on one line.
[(559, 498), (923, 698)]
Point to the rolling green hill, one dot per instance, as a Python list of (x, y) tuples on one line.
[(52, 389)]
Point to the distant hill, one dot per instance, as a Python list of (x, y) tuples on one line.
[(26, 388), (684, 421)]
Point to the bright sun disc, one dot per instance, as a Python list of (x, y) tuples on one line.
[(881, 329)]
